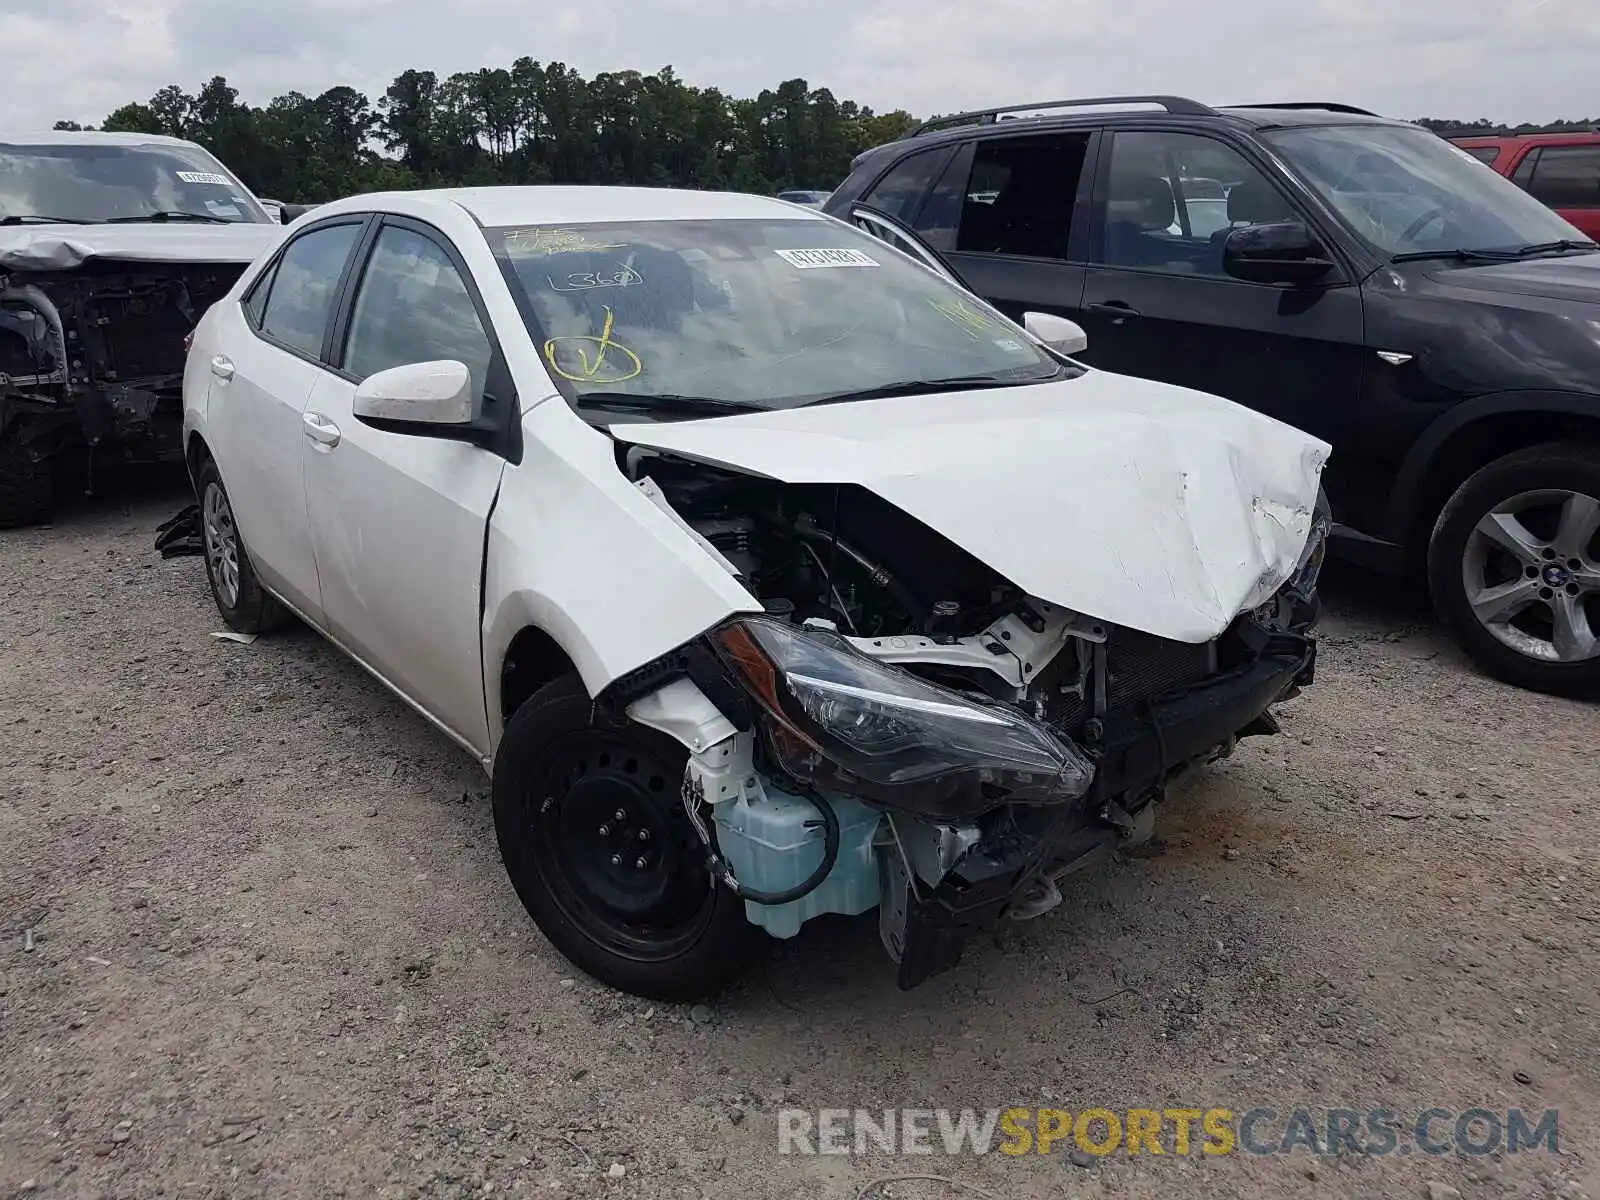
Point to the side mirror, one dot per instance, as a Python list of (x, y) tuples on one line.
[(290, 213), (1283, 252), (425, 393), (1061, 335)]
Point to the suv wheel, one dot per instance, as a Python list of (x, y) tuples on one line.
[(1514, 568)]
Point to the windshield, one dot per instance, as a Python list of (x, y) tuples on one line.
[(1406, 190), (94, 182), (752, 313)]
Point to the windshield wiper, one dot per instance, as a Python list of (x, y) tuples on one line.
[(926, 387), (1555, 247), (1459, 254), (1462, 254), (38, 219), (169, 214), (672, 402)]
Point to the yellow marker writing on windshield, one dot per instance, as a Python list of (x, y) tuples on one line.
[(963, 315), (591, 351)]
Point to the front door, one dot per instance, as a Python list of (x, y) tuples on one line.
[(398, 520), (1157, 303)]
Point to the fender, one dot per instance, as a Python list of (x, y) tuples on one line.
[(581, 553), (1413, 473)]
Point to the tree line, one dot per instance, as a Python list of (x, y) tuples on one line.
[(531, 123), (544, 123)]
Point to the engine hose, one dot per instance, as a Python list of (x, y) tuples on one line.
[(913, 607), (830, 855)]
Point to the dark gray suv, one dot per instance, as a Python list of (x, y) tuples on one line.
[(1358, 277)]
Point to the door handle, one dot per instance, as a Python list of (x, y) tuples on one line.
[(222, 367), (1117, 310), (320, 430)]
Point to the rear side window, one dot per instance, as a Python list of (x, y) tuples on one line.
[(899, 193), (1567, 176), (1484, 154), (1020, 196), (304, 286)]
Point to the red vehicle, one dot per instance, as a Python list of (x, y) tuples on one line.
[(1559, 169)]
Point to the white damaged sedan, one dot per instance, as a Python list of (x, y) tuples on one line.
[(770, 573)]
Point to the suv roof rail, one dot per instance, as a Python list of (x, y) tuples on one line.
[(989, 116), (1316, 105)]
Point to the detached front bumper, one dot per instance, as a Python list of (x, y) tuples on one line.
[(1137, 750)]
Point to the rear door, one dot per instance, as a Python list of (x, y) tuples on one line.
[(398, 520), (1002, 213), (265, 363), (1567, 178), (1157, 303)]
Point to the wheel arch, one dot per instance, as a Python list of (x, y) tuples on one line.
[(532, 659), (1468, 438)]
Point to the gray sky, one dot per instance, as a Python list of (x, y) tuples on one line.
[(1505, 59)]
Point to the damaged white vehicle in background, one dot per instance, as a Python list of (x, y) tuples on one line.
[(770, 573)]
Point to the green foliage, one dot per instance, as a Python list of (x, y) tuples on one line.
[(529, 123)]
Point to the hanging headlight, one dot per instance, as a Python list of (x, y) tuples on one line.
[(846, 722)]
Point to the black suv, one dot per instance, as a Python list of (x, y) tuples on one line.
[(1358, 277)]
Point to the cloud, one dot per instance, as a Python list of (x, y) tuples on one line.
[(1508, 59)]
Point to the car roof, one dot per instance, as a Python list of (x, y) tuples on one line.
[(88, 137), (561, 204), (1095, 113)]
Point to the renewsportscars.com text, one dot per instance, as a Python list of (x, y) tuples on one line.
[(1175, 1131)]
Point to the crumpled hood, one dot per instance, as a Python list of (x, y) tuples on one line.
[(1154, 507), (65, 247)]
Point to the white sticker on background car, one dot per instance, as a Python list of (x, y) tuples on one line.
[(205, 177), (807, 259)]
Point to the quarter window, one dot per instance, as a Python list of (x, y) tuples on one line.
[(1173, 198), (304, 286), (899, 193), (413, 306)]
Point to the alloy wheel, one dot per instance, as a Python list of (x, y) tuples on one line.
[(1531, 572), (221, 543)]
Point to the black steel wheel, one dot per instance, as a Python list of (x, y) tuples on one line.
[(593, 834)]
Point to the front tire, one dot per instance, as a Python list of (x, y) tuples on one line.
[(1514, 568), (245, 605), (604, 858), (27, 492)]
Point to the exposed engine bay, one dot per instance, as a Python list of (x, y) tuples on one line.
[(91, 364), (906, 729)]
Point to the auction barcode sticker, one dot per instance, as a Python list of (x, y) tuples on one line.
[(806, 259), (204, 177)]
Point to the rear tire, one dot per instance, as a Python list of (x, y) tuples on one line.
[(1514, 568), (27, 492), (595, 839), (245, 605)]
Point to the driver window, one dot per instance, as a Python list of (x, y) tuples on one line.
[(1173, 198), (414, 307)]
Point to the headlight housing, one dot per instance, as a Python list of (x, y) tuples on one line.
[(846, 722)]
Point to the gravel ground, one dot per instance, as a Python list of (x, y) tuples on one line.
[(255, 940)]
